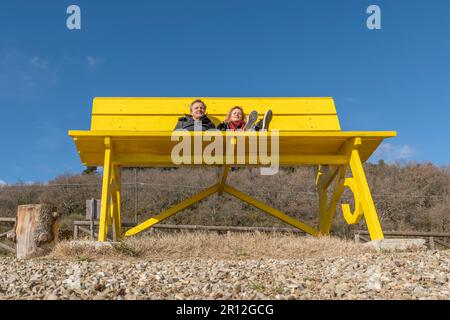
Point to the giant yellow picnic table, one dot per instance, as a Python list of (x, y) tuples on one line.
[(128, 132)]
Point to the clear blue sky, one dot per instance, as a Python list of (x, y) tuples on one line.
[(396, 78)]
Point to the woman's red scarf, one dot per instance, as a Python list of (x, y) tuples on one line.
[(236, 125)]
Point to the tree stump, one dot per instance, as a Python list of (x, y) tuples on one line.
[(36, 230)]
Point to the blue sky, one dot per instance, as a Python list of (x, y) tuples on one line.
[(396, 78)]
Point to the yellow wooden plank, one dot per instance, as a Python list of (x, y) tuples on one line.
[(294, 134), (327, 215), (272, 211), (106, 196), (161, 122), (145, 160), (173, 210), (163, 146), (117, 202), (91, 148), (179, 106), (368, 207), (326, 218), (327, 176), (223, 177), (300, 158)]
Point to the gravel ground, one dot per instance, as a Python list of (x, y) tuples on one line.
[(382, 275)]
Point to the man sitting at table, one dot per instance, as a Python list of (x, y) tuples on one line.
[(197, 120)]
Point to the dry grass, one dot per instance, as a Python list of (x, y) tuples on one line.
[(235, 246)]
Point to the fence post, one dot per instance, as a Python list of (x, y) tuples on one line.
[(357, 240), (432, 243), (92, 214)]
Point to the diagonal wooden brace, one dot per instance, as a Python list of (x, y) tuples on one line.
[(272, 211), (223, 178), (115, 203), (324, 179), (364, 205), (365, 198), (173, 210), (106, 191)]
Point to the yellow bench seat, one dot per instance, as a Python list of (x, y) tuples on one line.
[(153, 148)]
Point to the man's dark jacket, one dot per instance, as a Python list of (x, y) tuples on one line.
[(188, 123)]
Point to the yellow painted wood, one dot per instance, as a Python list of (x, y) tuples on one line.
[(327, 212), (323, 202), (145, 160), (272, 211), (173, 210), (326, 217), (165, 147), (309, 134), (117, 199), (105, 201), (324, 180), (143, 135), (166, 122), (167, 133), (145, 114), (112, 198), (215, 105), (91, 147), (322, 190), (368, 208), (355, 216), (223, 178), (112, 204)]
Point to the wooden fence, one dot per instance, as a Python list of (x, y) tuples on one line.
[(85, 226), (435, 240), (7, 245)]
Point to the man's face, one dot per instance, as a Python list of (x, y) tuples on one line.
[(198, 110)]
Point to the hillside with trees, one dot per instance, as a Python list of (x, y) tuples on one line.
[(407, 197)]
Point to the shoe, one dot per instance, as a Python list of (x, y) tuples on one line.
[(266, 120), (252, 117)]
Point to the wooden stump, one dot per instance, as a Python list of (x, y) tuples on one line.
[(36, 230)]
